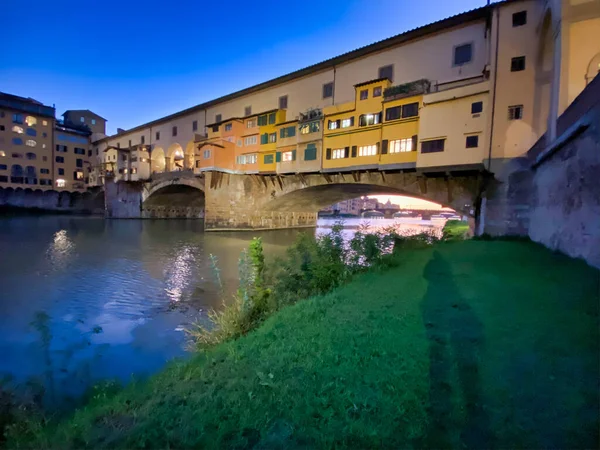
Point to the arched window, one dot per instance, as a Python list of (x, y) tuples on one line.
[(30, 175), (16, 174), (31, 132), (17, 141), (30, 143), (17, 129), (31, 121), (31, 155)]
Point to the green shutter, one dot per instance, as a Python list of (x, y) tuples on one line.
[(294, 155), (310, 153), (282, 133), (268, 159), (272, 117), (346, 152), (328, 154), (291, 131), (264, 138), (415, 140), (384, 147), (354, 151), (378, 146), (278, 157)]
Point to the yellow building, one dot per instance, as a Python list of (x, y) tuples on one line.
[(267, 123)]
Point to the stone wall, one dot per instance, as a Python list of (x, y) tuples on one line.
[(91, 202), (123, 199)]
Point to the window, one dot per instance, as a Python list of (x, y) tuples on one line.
[(123, 157), (17, 155), (264, 139), (45, 123), (472, 142), (393, 113), (401, 146), (17, 118), (328, 90), (129, 144), (218, 118), (45, 182), (142, 139), (82, 119), (476, 107), (283, 102), (515, 112), (338, 153), (310, 153), (228, 126), (31, 155), (2, 128), (60, 183), (61, 171), (262, 120), (195, 125), (248, 110), (31, 121), (44, 134), (239, 142), (78, 175), (2, 153), (214, 128), (387, 72), (3, 167), (206, 154), (17, 129), (31, 132), (311, 127), (369, 119), (377, 91), (61, 148), (364, 94), (93, 121), (44, 158), (251, 123), (30, 143), (250, 140), (174, 131), (133, 170), (17, 141), (80, 151), (410, 110), (45, 171), (79, 162), (268, 159), (349, 122), (60, 159), (517, 64), (367, 150), (288, 156), (463, 54), (333, 124), (433, 146), (272, 118), (118, 145), (287, 132), (3, 179), (158, 135), (519, 18), (273, 137)]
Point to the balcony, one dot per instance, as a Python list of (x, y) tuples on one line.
[(310, 115)]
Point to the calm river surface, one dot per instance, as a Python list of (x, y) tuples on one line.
[(113, 296)]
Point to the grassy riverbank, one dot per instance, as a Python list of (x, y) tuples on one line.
[(476, 343)]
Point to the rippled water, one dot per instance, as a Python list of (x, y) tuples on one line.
[(117, 293)]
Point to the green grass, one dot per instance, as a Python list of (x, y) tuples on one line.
[(455, 230), (468, 344)]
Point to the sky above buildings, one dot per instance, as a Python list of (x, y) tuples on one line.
[(134, 61)]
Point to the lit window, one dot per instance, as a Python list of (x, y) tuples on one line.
[(82, 119), (60, 182), (367, 150), (206, 154), (31, 121), (333, 124), (515, 112), (401, 146), (45, 123), (338, 153), (251, 123), (2, 153), (311, 127), (18, 129), (369, 119), (349, 122), (133, 170), (273, 137), (287, 156), (78, 175), (251, 140), (30, 143)]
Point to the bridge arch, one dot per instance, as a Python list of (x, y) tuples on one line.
[(177, 198)]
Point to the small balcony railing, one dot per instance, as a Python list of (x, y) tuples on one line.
[(422, 86)]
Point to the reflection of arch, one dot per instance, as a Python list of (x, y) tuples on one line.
[(593, 69), (175, 157), (158, 160), (189, 155), (314, 198)]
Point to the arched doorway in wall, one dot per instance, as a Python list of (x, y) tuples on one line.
[(190, 150), (157, 159), (593, 69), (175, 158)]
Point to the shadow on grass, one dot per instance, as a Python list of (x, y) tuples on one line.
[(456, 417)]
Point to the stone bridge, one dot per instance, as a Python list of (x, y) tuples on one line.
[(256, 201)]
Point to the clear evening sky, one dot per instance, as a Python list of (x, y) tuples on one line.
[(134, 61)]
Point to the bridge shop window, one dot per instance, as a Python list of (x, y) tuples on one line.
[(251, 123), (401, 145), (272, 137), (206, 154), (228, 126), (515, 112), (287, 132), (337, 153), (311, 127), (268, 159), (410, 110), (283, 102), (349, 122), (366, 120), (433, 146), (288, 156), (310, 153), (262, 120), (367, 150)]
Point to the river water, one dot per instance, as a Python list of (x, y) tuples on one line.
[(83, 299)]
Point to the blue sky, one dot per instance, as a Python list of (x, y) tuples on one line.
[(134, 61)]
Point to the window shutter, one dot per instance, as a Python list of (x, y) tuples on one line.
[(346, 152), (294, 155), (384, 147), (377, 148), (338, 123), (415, 141), (278, 157), (328, 154), (352, 121), (354, 151), (281, 133)]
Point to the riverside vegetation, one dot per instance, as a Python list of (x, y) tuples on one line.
[(385, 341)]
